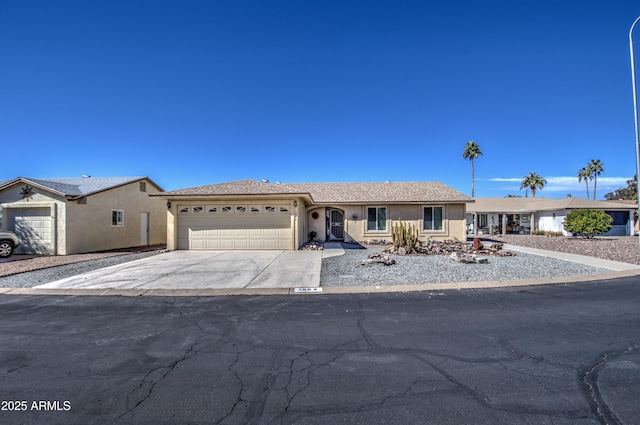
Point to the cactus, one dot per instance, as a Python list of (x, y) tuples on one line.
[(405, 236)]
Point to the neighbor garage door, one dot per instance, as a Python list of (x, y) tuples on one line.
[(34, 228), (234, 226)]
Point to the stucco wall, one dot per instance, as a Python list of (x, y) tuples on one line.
[(355, 225), (551, 221), (89, 224)]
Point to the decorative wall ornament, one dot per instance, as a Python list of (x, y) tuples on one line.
[(27, 192)]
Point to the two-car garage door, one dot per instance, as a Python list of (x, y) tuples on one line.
[(235, 226)]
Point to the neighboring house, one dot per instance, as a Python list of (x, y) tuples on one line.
[(248, 214), (526, 215), (76, 215)]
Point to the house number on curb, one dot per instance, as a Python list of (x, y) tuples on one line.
[(307, 290)]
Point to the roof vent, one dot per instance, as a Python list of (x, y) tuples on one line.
[(86, 176), (265, 181), (278, 182)]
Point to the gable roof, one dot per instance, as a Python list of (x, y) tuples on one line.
[(331, 193), (381, 192), (77, 187), (528, 205)]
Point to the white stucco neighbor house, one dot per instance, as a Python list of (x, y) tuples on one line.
[(527, 215), (249, 214), (62, 216)]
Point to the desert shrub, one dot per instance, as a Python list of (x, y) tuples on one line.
[(547, 233), (587, 223)]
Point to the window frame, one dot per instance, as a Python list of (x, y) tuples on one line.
[(117, 218), (433, 219), (377, 209)]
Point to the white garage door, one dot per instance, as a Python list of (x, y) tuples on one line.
[(34, 228), (234, 226)]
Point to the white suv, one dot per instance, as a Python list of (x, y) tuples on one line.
[(8, 242)]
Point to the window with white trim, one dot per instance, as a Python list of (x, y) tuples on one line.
[(117, 217), (377, 219), (432, 219)]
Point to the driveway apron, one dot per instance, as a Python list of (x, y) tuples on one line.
[(205, 270)]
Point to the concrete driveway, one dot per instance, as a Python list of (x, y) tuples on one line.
[(205, 270)]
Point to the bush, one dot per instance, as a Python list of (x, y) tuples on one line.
[(587, 223)]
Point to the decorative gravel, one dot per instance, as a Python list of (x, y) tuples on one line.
[(346, 270), (50, 274)]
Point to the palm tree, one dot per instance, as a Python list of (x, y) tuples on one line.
[(472, 151), (595, 168), (585, 174), (533, 182)]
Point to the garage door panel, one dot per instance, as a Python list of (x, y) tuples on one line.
[(254, 227), (34, 227)]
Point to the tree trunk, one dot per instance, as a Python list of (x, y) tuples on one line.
[(473, 179)]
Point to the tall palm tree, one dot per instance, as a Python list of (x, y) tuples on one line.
[(471, 152), (533, 182), (595, 166), (585, 174)]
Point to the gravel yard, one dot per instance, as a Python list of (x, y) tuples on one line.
[(346, 270), (40, 270), (624, 248)]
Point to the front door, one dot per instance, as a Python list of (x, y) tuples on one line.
[(144, 229), (336, 224)]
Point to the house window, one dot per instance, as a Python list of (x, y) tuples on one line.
[(226, 209), (255, 209), (432, 220), (143, 186), (213, 209), (241, 208), (117, 217), (183, 210), (284, 209), (270, 208), (377, 218), (198, 209)]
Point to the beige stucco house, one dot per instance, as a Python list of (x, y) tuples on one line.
[(74, 215), (528, 215), (249, 214)]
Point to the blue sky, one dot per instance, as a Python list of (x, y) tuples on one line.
[(192, 93)]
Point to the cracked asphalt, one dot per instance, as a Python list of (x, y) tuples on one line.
[(561, 354)]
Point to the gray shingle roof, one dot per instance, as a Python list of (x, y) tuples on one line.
[(78, 187), (325, 193), (527, 205), (395, 192)]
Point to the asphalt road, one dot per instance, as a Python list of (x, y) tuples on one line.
[(563, 354)]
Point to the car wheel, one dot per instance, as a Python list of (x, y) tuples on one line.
[(6, 249)]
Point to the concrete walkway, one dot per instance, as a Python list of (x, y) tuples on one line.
[(575, 258)]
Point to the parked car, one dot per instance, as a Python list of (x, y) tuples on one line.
[(8, 242)]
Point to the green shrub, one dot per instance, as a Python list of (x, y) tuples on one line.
[(587, 223)]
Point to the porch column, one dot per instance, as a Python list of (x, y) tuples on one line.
[(475, 223), (504, 224), (533, 223)]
